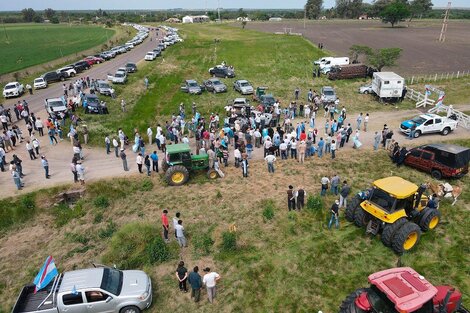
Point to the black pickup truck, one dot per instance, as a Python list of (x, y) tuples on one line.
[(54, 77)]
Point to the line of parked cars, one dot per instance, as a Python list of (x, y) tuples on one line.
[(170, 38)]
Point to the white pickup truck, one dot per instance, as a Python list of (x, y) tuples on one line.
[(14, 89), (428, 123)]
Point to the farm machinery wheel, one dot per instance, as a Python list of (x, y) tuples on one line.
[(361, 217), (389, 231), (430, 219), (177, 175), (406, 237), (212, 174), (349, 304), (351, 208)]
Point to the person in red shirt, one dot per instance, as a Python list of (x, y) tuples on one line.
[(303, 136), (165, 225)]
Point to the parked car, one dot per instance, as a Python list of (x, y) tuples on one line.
[(14, 89), (243, 86), (93, 290), (215, 85), (119, 78), (92, 104), (366, 89), (222, 71), (104, 56), (69, 71), (161, 46), (429, 123), (267, 100), (158, 52), (150, 56), (103, 87), (39, 83), (328, 94), (93, 60), (131, 67), (55, 105), (80, 66), (50, 77), (441, 160), (192, 87)]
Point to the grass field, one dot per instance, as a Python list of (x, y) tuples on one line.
[(25, 45)]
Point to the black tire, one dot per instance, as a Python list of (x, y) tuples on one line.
[(177, 175), (389, 231), (361, 217), (436, 174), (417, 134), (403, 236), (351, 208), (366, 92), (212, 174), (349, 304), (72, 74), (430, 219), (164, 166), (445, 131), (62, 78), (130, 309)]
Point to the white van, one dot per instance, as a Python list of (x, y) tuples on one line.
[(326, 67), (322, 60)]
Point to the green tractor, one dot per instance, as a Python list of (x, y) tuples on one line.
[(179, 162)]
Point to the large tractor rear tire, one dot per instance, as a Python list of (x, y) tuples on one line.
[(361, 217), (351, 208), (430, 219), (389, 231), (406, 238), (164, 166), (177, 175), (349, 304)]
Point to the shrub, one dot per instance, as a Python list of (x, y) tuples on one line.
[(108, 231), (268, 209), (229, 241), (203, 243), (314, 203), (146, 185), (64, 214), (101, 202), (79, 238), (17, 211), (135, 245), (98, 217)]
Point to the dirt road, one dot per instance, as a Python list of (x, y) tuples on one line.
[(98, 165)]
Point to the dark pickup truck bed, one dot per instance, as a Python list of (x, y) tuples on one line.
[(28, 301)]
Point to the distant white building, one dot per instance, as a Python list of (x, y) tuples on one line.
[(195, 19), (275, 19), (187, 19), (243, 19)]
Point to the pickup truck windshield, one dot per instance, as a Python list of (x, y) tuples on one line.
[(112, 281), (55, 103), (418, 120), (10, 87)]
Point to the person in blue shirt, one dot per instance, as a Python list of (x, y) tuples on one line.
[(154, 157), (321, 144), (432, 203)]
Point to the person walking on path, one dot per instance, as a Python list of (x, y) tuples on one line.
[(80, 172), (210, 281), (116, 147), (291, 198), (335, 181), (359, 121), (300, 196), (165, 225), (377, 139), (366, 122), (45, 165), (182, 276), (195, 281), (270, 159), (334, 215), (148, 164), (140, 161), (175, 221), (343, 194), (325, 181), (107, 142), (180, 234), (154, 157), (124, 160), (30, 149), (16, 179)]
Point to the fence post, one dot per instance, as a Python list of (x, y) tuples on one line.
[(447, 77), (412, 79), (458, 72)]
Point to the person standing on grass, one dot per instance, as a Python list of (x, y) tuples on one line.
[(359, 121), (300, 196), (175, 221), (244, 165), (335, 181), (325, 181), (107, 142), (124, 160), (366, 121), (334, 215), (180, 234), (123, 105), (140, 161), (80, 172), (45, 165), (291, 198), (146, 82), (377, 139), (182, 276), (149, 134), (165, 225), (270, 159), (343, 194), (116, 147), (321, 144), (154, 157), (333, 149), (195, 281), (85, 134), (210, 280), (148, 164)]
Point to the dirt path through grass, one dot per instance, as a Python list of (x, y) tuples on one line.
[(98, 165)]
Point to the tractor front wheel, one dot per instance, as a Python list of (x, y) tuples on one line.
[(406, 238), (351, 208), (361, 217), (349, 304), (430, 219), (389, 231), (212, 174), (177, 175)]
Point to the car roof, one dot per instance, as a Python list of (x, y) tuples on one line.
[(91, 96), (177, 148), (404, 287), (327, 88), (191, 81), (102, 82), (214, 79), (242, 81), (453, 149), (81, 279), (12, 83), (54, 99), (396, 186)]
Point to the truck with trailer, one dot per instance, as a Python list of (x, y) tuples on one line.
[(348, 71), (326, 66), (388, 85)]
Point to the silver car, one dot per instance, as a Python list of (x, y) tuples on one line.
[(243, 86), (215, 85), (366, 89), (328, 94), (94, 290)]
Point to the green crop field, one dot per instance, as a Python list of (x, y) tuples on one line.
[(26, 45)]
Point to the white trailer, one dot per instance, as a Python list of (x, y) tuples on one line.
[(326, 66), (387, 85)]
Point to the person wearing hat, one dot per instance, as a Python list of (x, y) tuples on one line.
[(210, 280), (334, 214), (124, 160)]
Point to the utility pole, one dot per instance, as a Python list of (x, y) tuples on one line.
[(442, 36), (218, 10)]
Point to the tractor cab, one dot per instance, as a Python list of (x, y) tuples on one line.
[(260, 91)]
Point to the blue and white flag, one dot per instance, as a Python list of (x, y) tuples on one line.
[(46, 274)]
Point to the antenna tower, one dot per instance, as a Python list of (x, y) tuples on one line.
[(442, 36)]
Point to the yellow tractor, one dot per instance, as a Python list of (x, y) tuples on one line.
[(396, 208)]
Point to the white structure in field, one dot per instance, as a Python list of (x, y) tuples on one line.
[(195, 19)]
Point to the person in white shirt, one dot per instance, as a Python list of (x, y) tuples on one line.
[(366, 121), (283, 148), (149, 134), (80, 172), (179, 230), (333, 149), (139, 160), (30, 149), (116, 147), (270, 159), (210, 280), (237, 155)]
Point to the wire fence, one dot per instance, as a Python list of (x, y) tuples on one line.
[(429, 78)]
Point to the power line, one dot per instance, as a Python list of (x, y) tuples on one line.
[(442, 36)]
